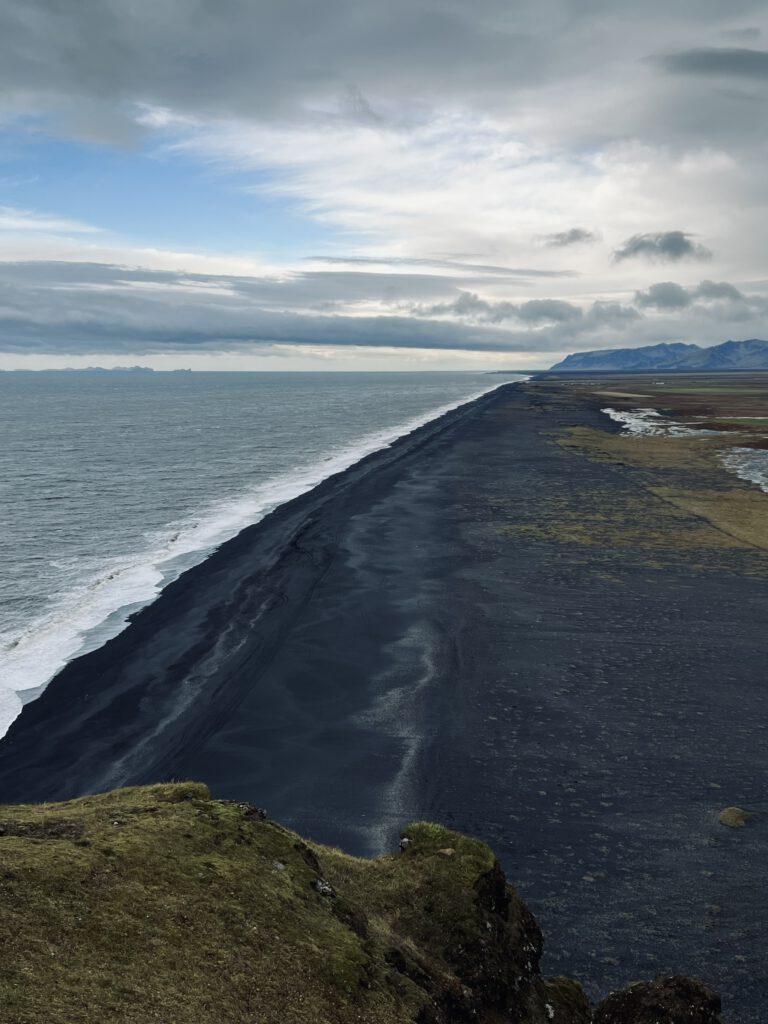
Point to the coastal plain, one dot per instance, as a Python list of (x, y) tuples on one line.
[(519, 621)]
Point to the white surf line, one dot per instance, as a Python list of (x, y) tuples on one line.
[(96, 610)]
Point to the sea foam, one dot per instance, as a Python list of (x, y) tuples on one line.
[(87, 615)]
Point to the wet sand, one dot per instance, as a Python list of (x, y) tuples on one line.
[(406, 642)]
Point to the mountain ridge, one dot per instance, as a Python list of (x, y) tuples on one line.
[(750, 354)]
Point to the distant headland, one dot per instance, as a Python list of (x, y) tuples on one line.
[(99, 369)]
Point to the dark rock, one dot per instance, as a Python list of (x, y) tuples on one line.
[(671, 1000), (566, 1002), (351, 916), (493, 893), (251, 811), (308, 856), (405, 963)]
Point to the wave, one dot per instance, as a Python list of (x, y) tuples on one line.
[(97, 608)]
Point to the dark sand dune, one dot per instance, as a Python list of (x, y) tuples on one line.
[(408, 642)]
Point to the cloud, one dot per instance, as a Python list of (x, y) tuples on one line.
[(665, 295), (67, 308), (604, 313), (749, 33), (442, 264), (445, 147), (736, 62), (718, 290), (90, 63), (14, 219), (548, 311), (573, 236), (662, 247), (237, 58), (80, 307), (534, 311)]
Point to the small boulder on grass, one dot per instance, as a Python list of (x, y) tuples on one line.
[(733, 817)]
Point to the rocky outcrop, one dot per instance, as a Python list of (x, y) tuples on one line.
[(160, 903), (673, 1000)]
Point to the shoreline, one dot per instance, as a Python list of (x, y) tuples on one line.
[(154, 568), (272, 536), (518, 622)]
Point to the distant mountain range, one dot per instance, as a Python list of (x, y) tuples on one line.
[(100, 369), (731, 355)]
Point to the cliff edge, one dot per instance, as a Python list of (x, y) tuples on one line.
[(159, 904)]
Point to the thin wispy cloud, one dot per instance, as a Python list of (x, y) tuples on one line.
[(443, 264), (17, 220), (573, 236)]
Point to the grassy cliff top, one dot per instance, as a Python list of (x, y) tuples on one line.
[(160, 904)]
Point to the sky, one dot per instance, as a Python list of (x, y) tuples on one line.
[(361, 184)]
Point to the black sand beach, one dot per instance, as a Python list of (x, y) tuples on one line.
[(408, 642)]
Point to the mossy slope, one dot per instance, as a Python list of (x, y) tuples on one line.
[(161, 904)]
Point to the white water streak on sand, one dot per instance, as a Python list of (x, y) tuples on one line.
[(90, 614), (396, 714), (185, 695)]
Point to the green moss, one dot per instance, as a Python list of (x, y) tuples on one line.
[(161, 904)]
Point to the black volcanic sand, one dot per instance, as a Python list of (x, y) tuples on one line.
[(392, 646)]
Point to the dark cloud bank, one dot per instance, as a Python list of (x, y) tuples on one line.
[(735, 62), (79, 308), (88, 63), (71, 308)]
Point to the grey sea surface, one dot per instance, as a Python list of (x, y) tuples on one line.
[(112, 484)]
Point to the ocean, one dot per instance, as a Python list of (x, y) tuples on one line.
[(113, 483)]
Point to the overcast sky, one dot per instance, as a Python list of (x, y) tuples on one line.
[(369, 184)]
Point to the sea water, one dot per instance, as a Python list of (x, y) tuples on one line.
[(113, 483)]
